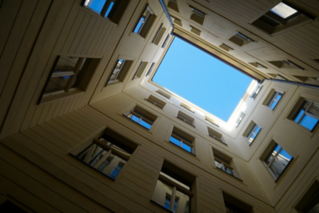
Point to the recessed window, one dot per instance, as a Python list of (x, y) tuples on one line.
[(176, 21), (258, 65), (241, 39), (145, 23), (310, 200), (212, 121), (111, 9), (140, 70), (157, 102), (185, 106), (172, 4), (273, 99), (159, 34), (234, 205), (197, 15), (226, 47), (223, 162), (256, 91), (150, 69), (276, 159), (69, 73), (183, 140), (108, 153), (163, 94), (119, 72), (306, 113), (240, 118), (251, 132), (141, 117), (286, 64), (216, 135), (166, 41), (187, 119), (173, 189), (195, 30)]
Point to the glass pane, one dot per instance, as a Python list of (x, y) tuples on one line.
[(256, 131), (162, 194), (175, 141), (283, 10), (299, 115), (109, 9), (187, 147), (273, 105), (309, 122), (139, 25), (57, 84), (181, 202), (96, 5), (145, 124)]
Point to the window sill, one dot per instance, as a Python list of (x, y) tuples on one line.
[(182, 149), (113, 179), (156, 203), (230, 174)]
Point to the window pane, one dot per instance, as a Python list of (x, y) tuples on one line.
[(309, 122), (181, 202), (186, 147), (283, 10), (96, 5), (175, 141), (109, 9), (145, 124), (299, 115), (139, 24), (162, 194)]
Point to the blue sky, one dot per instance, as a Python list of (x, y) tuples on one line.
[(201, 79)]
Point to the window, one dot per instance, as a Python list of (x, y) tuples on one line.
[(108, 153), (119, 72), (187, 107), (223, 162), (306, 114), (197, 15), (273, 99), (183, 140), (173, 189), (187, 119), (157, 102), (210, 120), (216, 135), (251, 132), (195, 30), (309, 203), (111, 9), (165, 41), (276, 159), (226, 47), (281, 17), (176, 21), (142, 117), (258, 65), (240, 39), (163, 94), (173, 5), (159, 35), (234, 205), (150, 69), (68, 74), (256, 91), (145, 23), (240, 118), (286, 64), (140, 70)]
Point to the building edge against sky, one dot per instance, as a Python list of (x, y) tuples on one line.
[(83, 128)]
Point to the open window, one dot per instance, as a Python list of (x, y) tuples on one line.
[(234, 205), (110, 9), (159, 34), (197, 15), (68, 74), (119, 72), (251, 132), (140, 70), (281, 17), (108, 153), (240, 39), (216, 135), (187, 119), (273, 99), (145, 22), (276, 159), (174, 189), (305, 113), (223, 162), (183, 140), (156, 101), (141, 117)]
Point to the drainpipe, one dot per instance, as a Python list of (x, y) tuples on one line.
[(312, 86)]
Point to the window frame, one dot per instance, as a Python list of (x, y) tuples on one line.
[(138, 112), (257, 90), (183, 138), (271, 99), (250, 131), (216, 135), (148, 20), (122, 71), (186, 118), (156, 101)]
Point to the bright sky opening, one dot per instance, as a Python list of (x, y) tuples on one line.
[(201, 79)]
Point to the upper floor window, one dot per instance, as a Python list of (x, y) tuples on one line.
[(166, 41), (185, 106), (223, 162), (173, 5), (286, 64), (111, 9), (197, 15), (187, 119), (216, 135), (226, 47), (108, 153), (173, 189), (163, 94), (256, 91), (176, 21), (212, 121), (145, 23), (68, 74), (140, 70), (159, 34), (120, 70), (150, 69), (251, 132), (183, 140), (306, 114), (157, 102), (240, 118), (273, 99), (241, 39), (276, 159), (142, 117)]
